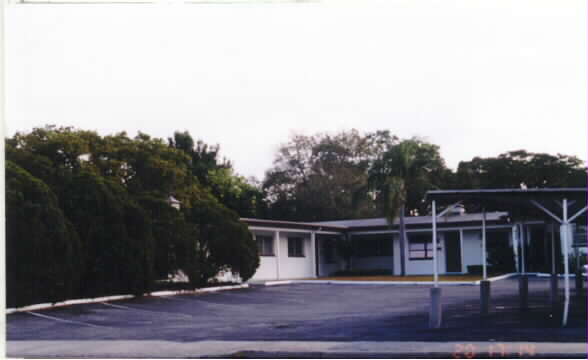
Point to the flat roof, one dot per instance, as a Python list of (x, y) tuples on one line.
[(514, 194), (412, 222)]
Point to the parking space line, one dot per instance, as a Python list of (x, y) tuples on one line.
[(118, 306), (184, 315), (63, 320)]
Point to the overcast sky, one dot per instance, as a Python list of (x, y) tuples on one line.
[(476, 77)]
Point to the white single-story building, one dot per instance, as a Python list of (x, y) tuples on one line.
[(294, 250)]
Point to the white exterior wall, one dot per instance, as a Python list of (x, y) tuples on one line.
[(303, 267), (296, 267), (289, 267), (267, 269)]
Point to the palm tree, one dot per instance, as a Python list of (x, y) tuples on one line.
[(404, 170)]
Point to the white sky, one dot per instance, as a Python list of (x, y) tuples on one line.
[(476, 77)]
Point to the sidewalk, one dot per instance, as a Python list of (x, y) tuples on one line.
[(308, 349)]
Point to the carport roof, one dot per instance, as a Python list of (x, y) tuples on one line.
[(510, 194)]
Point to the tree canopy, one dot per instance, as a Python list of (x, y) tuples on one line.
[(93, 214)]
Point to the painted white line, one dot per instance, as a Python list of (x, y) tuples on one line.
[(148, 311), (46, 306), (63, 320), (118, 306)]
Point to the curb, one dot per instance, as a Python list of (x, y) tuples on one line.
[(558, 275), (46, 306), (352, 282), (500, 277), (424, 283), (277, 282)]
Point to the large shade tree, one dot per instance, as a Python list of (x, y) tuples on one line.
[(324, 176)]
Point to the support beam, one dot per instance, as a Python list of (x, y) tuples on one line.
[(564, 235), (313, 250), (523, 240), (484, 254), (583, 210), (553, 270), (528, 241), (449, 208), (435, 313), (570, 203), (278, 259), (545, 210), (435, 268), (515, 246)]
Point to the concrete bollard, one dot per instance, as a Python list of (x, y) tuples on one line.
[(484, 297), (524, 292), (436, 311), (554, 293)]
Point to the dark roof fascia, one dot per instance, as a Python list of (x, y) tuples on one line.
[(513, 194), (341, 229), (440, 225)]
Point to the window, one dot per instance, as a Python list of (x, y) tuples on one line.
[(295, 247), (373, 245), (265, 245), (420, 247)]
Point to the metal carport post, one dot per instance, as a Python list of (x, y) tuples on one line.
[(518, 200)]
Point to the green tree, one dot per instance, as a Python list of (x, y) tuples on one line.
[(324, 176), (401, 178), (44, 256), (510, 169), (241, 195)]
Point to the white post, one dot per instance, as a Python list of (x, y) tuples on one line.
[(564, 234), (277, 245), (522, 238), (552, 248), (463, 268), (515, 246), (313, 252), (484, 256), (435, 270)]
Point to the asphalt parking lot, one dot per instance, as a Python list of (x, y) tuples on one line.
[(310, 312)]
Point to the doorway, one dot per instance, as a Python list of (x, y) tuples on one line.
[(452, 252)]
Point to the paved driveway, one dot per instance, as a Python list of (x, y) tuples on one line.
[(309, 312)]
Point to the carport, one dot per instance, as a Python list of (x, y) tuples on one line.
[(546, 203)]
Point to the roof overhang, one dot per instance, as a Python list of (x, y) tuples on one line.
[(511, 195), (520, 203), (292, 225)]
